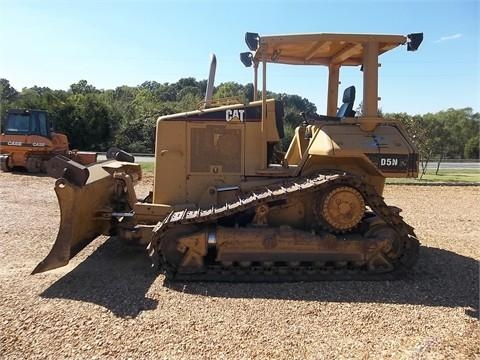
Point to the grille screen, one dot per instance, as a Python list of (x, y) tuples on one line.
[(216, 146)]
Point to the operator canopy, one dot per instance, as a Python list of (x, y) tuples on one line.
[(321, 49), (331, 50)]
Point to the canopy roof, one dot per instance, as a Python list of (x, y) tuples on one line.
[(322, 49)]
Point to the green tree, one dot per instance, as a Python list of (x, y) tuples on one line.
[(419, 134), (87, 122), (228, 90), (7, 93), (137, 136), (82, 87), (471, 150)]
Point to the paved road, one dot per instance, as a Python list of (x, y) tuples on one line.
[(455, 165), (140, 159)]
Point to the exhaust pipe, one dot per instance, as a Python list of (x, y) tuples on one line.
[(211, 81)]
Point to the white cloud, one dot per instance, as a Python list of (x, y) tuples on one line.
[(449, 37)]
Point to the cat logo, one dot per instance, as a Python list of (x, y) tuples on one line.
[(38, 144), (234, 115), (14, 143)]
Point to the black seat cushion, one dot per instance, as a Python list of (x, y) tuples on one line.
[(346, 110)]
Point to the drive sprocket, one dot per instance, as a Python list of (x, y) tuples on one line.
[(340, 209)]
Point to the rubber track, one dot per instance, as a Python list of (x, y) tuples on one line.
[(305, 271)]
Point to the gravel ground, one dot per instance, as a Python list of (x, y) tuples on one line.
[(108, 303)]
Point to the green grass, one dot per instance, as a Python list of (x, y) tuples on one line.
[(448, 175), (147, 167)]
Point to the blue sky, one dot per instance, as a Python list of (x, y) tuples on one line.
[(126, 42)]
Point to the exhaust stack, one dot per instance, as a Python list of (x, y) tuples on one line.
[(211, 81)]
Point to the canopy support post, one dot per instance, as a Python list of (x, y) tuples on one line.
[(333, 82), (370, 79)]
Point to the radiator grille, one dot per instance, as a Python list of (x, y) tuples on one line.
[(216, 146)]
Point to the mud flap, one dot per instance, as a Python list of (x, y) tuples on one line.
[(85, 213)]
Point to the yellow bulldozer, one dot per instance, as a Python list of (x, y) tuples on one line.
[(226, 207)]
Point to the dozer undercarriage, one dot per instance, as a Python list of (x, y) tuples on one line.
[(339, 245)]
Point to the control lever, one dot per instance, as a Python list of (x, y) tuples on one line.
[(308, 132)]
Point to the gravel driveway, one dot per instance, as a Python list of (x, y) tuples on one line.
[(108, 302)]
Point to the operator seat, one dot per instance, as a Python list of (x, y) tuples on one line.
[(346, 110)]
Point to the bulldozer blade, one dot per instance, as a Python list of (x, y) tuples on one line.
[(63, 167), (81, 219)]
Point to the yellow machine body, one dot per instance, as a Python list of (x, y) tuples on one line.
[(227, 204)]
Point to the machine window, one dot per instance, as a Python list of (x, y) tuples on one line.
[(42, 120), (18, 124)]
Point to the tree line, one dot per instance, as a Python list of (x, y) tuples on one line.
[(95, 119), (447, 134)]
